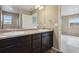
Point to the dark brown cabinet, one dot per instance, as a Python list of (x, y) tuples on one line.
[(35, 43), (8, 45), (47, 41), (24, 44), (20, 44), (9, 49)]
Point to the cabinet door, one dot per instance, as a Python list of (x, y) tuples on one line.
[(8, 45), (36, 43), (46, 41), (28, 44), (24, 44), (7, 42), (20, 44)]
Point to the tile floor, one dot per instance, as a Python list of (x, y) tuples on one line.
[(69, 44)]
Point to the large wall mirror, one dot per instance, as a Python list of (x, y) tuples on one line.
[(17, 19), (29, 21)]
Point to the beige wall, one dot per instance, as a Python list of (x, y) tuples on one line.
[(66, 28), (48, 18)]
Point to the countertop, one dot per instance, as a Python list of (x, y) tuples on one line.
[(21, 33)]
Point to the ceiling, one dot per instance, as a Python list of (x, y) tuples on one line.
[(24, 7), (17, 8), (69, 10)]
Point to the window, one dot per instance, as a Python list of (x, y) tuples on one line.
[(7, 19), (74, 21), (34, 20)]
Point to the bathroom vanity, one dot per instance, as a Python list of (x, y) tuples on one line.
[(31, 41)]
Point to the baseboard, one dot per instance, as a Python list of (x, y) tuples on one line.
[(57, 50)]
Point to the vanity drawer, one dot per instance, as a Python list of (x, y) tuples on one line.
[(45, 34), (36, 36)]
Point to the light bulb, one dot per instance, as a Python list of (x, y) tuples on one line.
[(41, 7), (37, 6)]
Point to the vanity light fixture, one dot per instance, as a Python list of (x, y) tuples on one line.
[(39, 7), (36, 7)]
